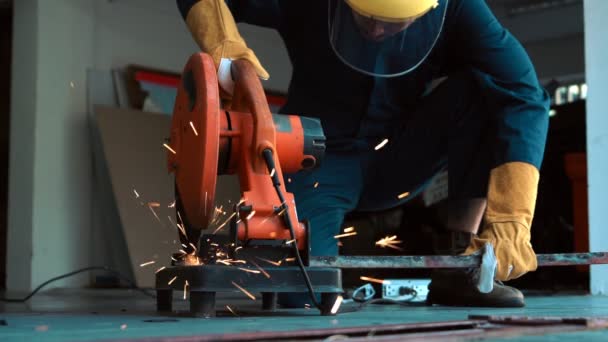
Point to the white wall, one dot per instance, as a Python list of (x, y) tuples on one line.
[(596, 12), (49, 196)]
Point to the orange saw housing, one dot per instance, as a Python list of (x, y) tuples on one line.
[(209, 141)]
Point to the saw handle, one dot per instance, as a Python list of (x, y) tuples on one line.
[(249, 96)]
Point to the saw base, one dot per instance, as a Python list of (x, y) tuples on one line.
[(205, 281)]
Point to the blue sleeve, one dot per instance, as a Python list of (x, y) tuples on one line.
[(517, 104), (266, 13)]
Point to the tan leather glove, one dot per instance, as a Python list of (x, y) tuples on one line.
[(216, 33), (511, 200)]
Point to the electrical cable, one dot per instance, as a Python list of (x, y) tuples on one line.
[(267, 153), (66, 275)]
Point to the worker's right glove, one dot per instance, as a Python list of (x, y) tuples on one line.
[(216, 33)]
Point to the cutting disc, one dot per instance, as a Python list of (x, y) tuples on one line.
[(194, 138)]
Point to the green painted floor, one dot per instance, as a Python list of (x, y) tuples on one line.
[(86, 315)]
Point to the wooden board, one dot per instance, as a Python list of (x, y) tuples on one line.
[(132, 143)]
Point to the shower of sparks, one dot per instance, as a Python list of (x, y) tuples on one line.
[(336, 305), (403, 195), (381, 145), (390, 242), (272, 172), (349, 229), (339, 236), (290, 242), (248, 270), (274, 263), (193, 129), (232, 311), (260, 268), (147, 263), (172, 280), (186, 285), (160, 269), (316, 184), (374, 280), (136, 194), (247, 293), (169, 148), (171, 205), (250, 215)]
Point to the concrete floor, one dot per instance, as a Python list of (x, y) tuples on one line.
[(86, 315)]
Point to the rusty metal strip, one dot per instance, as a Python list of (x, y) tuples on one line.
[(448, 261)]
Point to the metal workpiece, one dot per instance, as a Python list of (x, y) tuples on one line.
[(449, 261)]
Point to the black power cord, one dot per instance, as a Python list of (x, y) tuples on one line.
[(66, 275), (267, 153)]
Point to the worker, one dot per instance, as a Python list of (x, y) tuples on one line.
[(443, 81)]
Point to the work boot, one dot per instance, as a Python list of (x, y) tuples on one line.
[(459, 288)]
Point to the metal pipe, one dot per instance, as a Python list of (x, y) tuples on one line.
[(448, 261)]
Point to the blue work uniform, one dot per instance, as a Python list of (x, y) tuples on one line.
[(490, 110)]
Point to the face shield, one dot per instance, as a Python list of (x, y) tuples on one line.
[(385, 38)]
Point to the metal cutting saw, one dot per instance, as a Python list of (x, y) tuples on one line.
[(267, 248)]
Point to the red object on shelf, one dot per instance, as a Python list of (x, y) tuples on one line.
[(576, 169)]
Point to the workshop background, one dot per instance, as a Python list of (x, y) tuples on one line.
[(85, 89)]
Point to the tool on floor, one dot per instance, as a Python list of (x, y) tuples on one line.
[(259, 147)]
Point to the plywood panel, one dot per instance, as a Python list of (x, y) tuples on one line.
[(132, 143)]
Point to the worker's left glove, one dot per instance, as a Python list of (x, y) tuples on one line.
[(511, 200)]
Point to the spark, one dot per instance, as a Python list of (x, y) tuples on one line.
[(282, 211), (248, 270), (375, 280), (123, 327), (307, 306), (381, 145), (225, 222), (247, 293), (345, 235), (250, 215), (272, 172), (260, 268), (239, 247), (172, 280), (147, 263), (290, 242), (169, 148), (183, 245), (390, 242), (160, 269), (316, 184), (214, 244), (182, 229), (183, 251), (349, 229), (136, 194), (288, 180), (72, 84), (194, 129), (151, 206), (403, 195), (232, 311), (186, 285), (193, 246), (336, 306), (171, 205), (290, 259), (275, 263), (42, 328)]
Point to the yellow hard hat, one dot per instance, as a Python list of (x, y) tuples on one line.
[(392, 10)]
